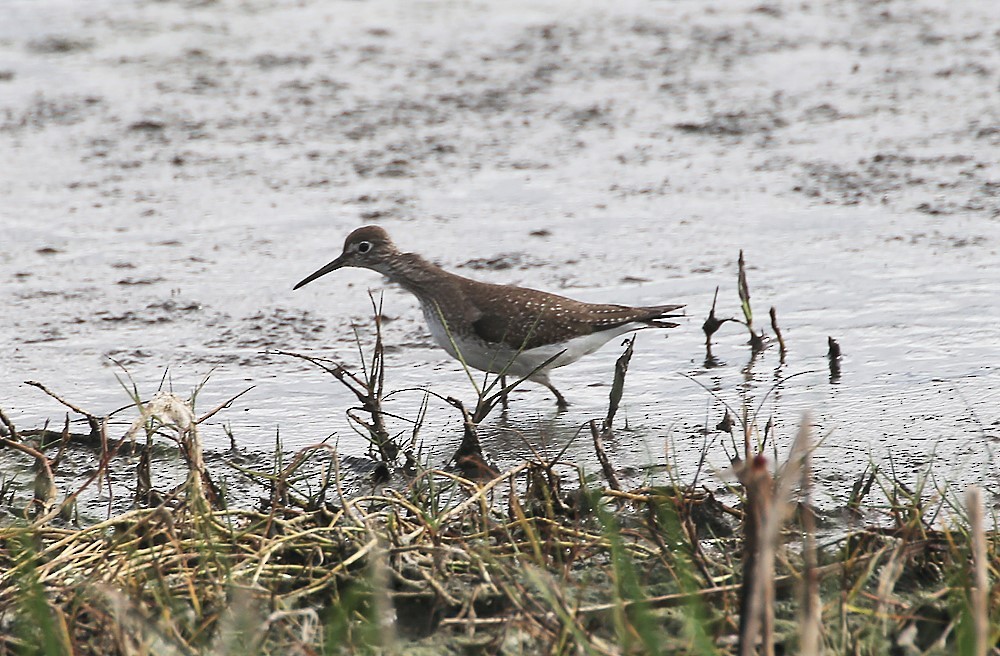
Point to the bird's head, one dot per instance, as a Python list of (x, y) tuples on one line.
[(368, 247)]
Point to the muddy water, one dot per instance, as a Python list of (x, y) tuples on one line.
[(169, 169)]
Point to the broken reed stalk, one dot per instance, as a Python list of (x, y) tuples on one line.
[(618, 384), (164, 410), (748, 429), (757, 592), (614, 400), (769, 504), (980, 589), (777, 333), (862, 487), (712, 323), (710, 326), (833, 356), (102, 470), (811, 605), (756, 341)]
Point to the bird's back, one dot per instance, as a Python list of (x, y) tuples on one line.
[(524, 318)]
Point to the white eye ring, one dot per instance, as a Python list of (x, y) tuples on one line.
[(364, 246)]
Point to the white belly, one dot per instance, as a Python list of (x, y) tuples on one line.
[(527, 363)]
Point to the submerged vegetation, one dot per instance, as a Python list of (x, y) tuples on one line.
[(541, 558)]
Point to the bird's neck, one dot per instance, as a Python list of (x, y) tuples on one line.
[(415, 274)]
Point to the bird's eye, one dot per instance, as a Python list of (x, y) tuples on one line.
[(364, 246)]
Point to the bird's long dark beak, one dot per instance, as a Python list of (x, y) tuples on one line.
[(332, 266)]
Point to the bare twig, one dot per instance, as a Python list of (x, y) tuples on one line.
[(222, 406), (10, 428), (92, 420), (609, 471)]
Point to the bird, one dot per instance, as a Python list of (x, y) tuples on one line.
[(502, 329)]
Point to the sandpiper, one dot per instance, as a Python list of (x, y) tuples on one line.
[(497, 328)]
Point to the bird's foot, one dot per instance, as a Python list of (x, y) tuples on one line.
[(561, 402)]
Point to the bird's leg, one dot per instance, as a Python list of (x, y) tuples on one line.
[(503, 397), (561, 401)]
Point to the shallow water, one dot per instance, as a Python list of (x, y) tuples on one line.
[(169, 170)]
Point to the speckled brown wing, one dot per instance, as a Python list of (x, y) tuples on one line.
[(527, 318)]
